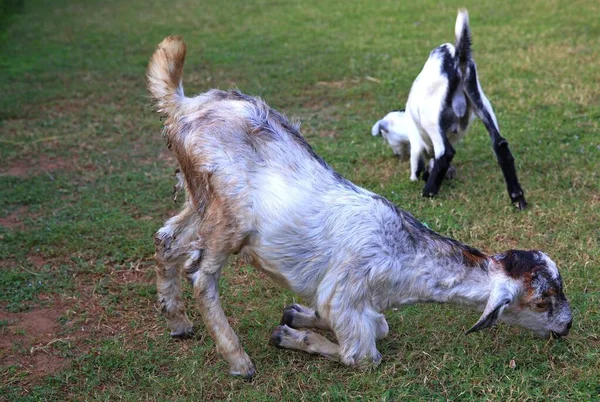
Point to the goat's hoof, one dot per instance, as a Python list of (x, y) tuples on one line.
[(288, 314), (186, 333), (371, 362), (277, 336), (414, 178), (430, 190), (519, 202), (245, 370)]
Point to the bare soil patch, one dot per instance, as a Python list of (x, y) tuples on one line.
[(27, 339), (32, 341), (38, 164), (15, 220), (37, 260)]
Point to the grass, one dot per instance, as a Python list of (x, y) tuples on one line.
[(85, 182)]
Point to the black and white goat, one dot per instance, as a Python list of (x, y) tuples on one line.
[(255, 187), (443, 101)]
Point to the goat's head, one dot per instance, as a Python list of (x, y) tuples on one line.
[(526, 291), (393, 122)]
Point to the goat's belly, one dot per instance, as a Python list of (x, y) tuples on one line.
[(293, 266), (250, 256)]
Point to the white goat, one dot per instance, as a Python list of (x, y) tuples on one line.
[(393, 129), (442, 102), (254, 186)]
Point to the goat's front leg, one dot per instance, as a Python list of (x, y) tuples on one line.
[(203, 270), (416, 161), (444, 152), (450, 173), (297, 316), (483, 110), (356, 332)]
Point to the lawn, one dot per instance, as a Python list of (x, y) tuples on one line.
[(85, 181)]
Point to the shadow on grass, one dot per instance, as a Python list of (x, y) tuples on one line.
[(8, 8)]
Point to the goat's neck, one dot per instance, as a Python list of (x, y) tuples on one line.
[(423, 278)]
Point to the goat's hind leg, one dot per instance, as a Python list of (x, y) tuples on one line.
[(172, 246), (483, 110), (416, 161), (204, 270)]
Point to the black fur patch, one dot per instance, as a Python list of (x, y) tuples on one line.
[(505, 157), (449, 68), (463, 47), (288, 317), (490, 319), (518, 262), (441, 164)]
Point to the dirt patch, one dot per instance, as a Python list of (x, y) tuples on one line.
[(27, 339), (133, 276), (18, 168), (98, 314), (38, 164), (42, 364), (37, 260), (40, 342), (15, 219)]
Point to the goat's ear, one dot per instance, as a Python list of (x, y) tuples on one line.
[(499, 299)]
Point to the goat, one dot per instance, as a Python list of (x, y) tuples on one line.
[(443, 101), (256, 188), (392, 129)]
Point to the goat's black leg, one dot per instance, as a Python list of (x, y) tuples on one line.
[(483, 110), (440, 166)]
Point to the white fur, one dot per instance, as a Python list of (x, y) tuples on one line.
[(398, 129)]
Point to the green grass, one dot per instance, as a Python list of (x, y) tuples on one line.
[(85, 182)]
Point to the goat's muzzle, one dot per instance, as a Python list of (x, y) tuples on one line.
[(558, 335)]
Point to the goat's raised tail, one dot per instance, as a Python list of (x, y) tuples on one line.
[(463, 38), (165, 70)]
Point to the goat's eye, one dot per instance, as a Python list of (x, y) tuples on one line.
[(542, 305)]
